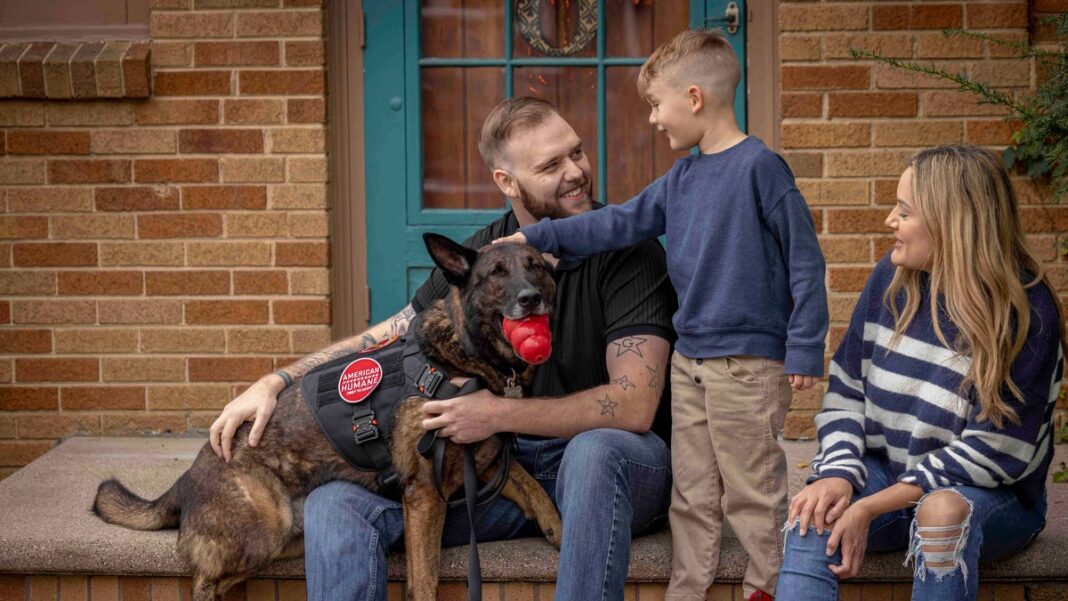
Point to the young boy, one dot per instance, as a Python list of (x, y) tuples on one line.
[(745, 262)]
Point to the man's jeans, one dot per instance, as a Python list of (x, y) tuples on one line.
[(998, 526), (608, 484)]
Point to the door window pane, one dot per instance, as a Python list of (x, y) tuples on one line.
[(574, 92), (635, 29), (462, 28)]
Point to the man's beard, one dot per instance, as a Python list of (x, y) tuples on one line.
[(554, 209)]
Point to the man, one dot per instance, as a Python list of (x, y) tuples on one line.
[(584, 431)]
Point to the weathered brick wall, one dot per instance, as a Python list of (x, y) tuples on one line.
[(849, 126), (157, 255)]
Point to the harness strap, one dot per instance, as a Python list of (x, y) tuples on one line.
[(474, 568)]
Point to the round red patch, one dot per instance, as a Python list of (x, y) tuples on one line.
[(359, 380)]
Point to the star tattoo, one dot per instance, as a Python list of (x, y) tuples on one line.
[(624, 383), (656, 379), (630, 344), (608, 406)]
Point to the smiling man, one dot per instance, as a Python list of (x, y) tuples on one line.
[(586, 427)]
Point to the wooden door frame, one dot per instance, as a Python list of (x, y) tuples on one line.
[(345, 142)]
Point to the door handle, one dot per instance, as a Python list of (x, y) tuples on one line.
[(730, 18)]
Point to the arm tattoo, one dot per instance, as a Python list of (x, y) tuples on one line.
[(398, 324), (630, 344), (656, 379), (608, 406), (367, 340), (624, 383)]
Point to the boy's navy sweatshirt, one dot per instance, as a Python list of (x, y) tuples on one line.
[(742, 254)]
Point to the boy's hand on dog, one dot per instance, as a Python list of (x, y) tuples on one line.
[(256, 403), (464, 419), (516, 238), (800, 382)]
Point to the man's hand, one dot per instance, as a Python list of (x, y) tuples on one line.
[(820, 503), (516, 238), (851, 532), (257, 402), (464, 419), (800, 382)]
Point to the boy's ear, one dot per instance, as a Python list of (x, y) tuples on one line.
[(455, 260), (696, 97), (505, 182)]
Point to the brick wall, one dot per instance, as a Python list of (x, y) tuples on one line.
[(157, 255), (849, 126)]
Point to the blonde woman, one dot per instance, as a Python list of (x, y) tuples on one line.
[(936, 430)]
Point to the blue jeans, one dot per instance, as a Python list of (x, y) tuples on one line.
[(608, 485), (998, 526)]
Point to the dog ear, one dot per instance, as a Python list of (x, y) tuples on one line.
[(455, 260)]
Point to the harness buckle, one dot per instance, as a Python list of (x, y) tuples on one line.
[(364, 428), (429, 380)]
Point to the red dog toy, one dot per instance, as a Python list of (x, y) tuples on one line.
[(530, 337)]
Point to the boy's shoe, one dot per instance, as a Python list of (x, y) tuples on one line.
[(760, 595)]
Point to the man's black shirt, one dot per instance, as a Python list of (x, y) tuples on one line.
[(598, 300)]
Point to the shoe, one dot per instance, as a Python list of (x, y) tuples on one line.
[(760, 595)]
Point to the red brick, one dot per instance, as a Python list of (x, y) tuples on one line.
[(258, 111), (952, 104), (54, 254), (895, 45), (1045, 219), (136, 70), (872, 104), (805, 164), (847, 279), (57, 426), (885, 192), (228, 369), (209, 4), (279, 24), (100, 283), (191, 25), (938, 45), (917, 133), (176, 170), (175, 112), (261, 282), (88, 171), (25, 341), (47, 142), (858, 221), (305, 110), (23, 228), (95, 340), (140, 424), (187, 283), (236, 53), (17, 453), (193, 83), (184, 225), (270, 82), (57, 370), (796, 17), (305, 53), (224, 197), (1000, 15), (5, 311), (220, 141), (825, 135), (801, 105), (905, 16), (226, 312), (988, 133), (53, 312), (804, 77), (152, 311), (139, 198), (31, 69), (26, 398), (301, 311), (302, 254)]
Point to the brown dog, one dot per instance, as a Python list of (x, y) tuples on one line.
[(235, 518)]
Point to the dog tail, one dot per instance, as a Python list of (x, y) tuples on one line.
[(115, 504)]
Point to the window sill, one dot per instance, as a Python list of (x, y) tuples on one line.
[(75, 70)]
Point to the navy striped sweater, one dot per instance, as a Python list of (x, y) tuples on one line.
[(905, 403)]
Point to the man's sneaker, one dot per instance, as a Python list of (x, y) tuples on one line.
[(760, 595)]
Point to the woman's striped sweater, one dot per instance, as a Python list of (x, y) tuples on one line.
[(905, 402)]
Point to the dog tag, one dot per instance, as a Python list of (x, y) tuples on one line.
[(359, 379), (512, 390)]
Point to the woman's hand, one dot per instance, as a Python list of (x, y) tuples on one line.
[(851, 533), (516, 238), (257, 402), (820, 503)]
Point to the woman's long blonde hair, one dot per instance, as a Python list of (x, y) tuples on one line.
[(978, 259)]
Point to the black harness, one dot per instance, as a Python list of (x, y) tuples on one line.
[(361, 431)]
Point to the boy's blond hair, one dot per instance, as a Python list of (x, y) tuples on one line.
[(701, 57)]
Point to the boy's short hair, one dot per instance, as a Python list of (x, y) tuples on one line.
[(696, 56), (511, 115)]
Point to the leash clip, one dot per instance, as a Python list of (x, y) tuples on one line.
[(364, 428), (429, 380)]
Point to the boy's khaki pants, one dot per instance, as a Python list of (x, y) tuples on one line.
[(727, 413)]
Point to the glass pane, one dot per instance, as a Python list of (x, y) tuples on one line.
[(555, 28), (637, 153), (455, 102), (462, 28), (574, 92), (635, 29)]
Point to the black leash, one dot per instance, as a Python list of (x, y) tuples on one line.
[(474, 568)]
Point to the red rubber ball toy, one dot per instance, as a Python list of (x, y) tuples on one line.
[(530, 337)]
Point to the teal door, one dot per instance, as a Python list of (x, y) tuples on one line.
[(433, 70)]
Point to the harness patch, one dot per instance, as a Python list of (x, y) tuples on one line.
[(359, 379), (379, 345)]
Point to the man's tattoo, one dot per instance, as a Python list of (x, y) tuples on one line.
[(368, 340), (398, 324), (624, 383), (608, 406), (656, 379), (630, 344)]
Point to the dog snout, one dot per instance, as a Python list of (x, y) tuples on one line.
[(529, 298)]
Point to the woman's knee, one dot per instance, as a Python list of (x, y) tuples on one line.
[(941, 530)]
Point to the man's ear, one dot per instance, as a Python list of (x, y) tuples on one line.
[(455, 260), (506, 183), (696, 97)]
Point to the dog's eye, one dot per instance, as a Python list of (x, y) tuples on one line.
[(534, 264), (499, 270)]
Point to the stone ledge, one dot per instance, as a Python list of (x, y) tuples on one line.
[(78, 71), (46, 526)]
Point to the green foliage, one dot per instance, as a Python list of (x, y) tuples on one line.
[(1040, 146)]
